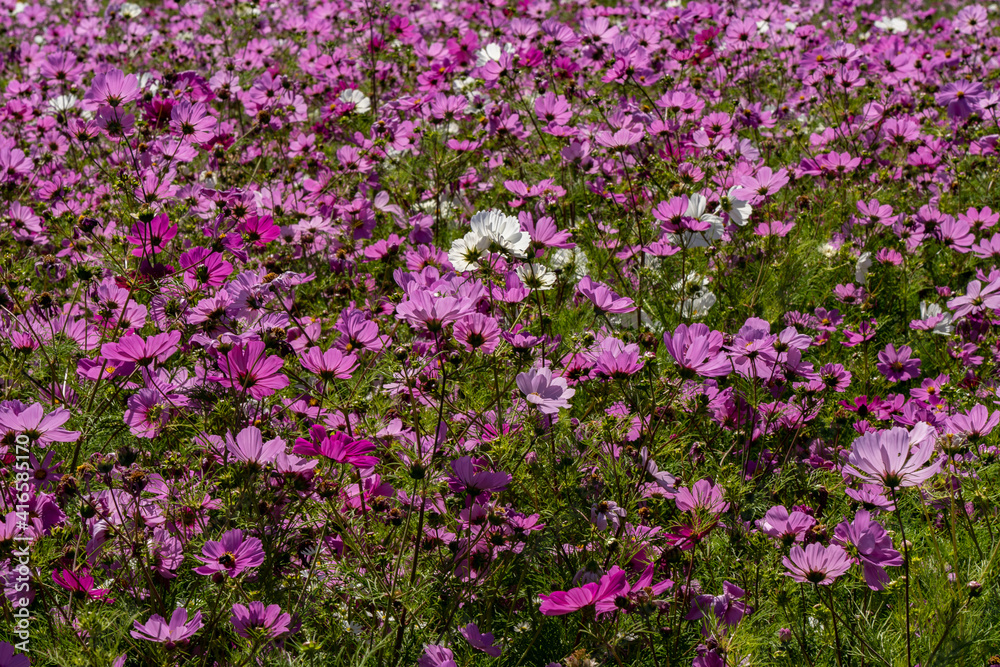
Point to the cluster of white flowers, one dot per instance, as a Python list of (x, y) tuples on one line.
[(491, 231)]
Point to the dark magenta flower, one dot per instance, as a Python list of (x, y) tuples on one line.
[(256, 620), (871, 545), (480, 641), (80, 584), (246, 367), (897, 365)]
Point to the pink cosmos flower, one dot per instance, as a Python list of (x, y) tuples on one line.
[(872, 546), (480, 641), (133, 348), (330, 365), (247, 368), (231, 555), (41, 428), (895, 457), (113, 88), (977, 299), (477, 332), (788, 527), (249, 447), (817, 564), (559, 603), (698, 350), (976, 423), (617, 359), (703, 495), (177, 631), (468, 477), (256, 619), (604, 298), (896, 365), (437, 656), (542, 389)]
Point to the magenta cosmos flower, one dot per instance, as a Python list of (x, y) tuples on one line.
[(547, 392), (895, 457), (897, 365), (697, 349), (246, 367), (480, 641), (142, 351), (330, 365), (256, 620), (559, 603), (151, 237), (231, 554), (80, 584), (178, 630), (817, 564)]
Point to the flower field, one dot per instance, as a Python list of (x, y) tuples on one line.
[(513, 333)]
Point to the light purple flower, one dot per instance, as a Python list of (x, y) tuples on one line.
[(816, 564), (894, 458), (178, 630), (542, 389)]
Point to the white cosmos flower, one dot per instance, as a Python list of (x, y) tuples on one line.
[(492, 52), (361, 102), (63, 103), (502, 230), (739, 211), (536, 276), (129, 10), (897, 26), (573, 258), (862, 266), (466, 251), (698, 300)]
